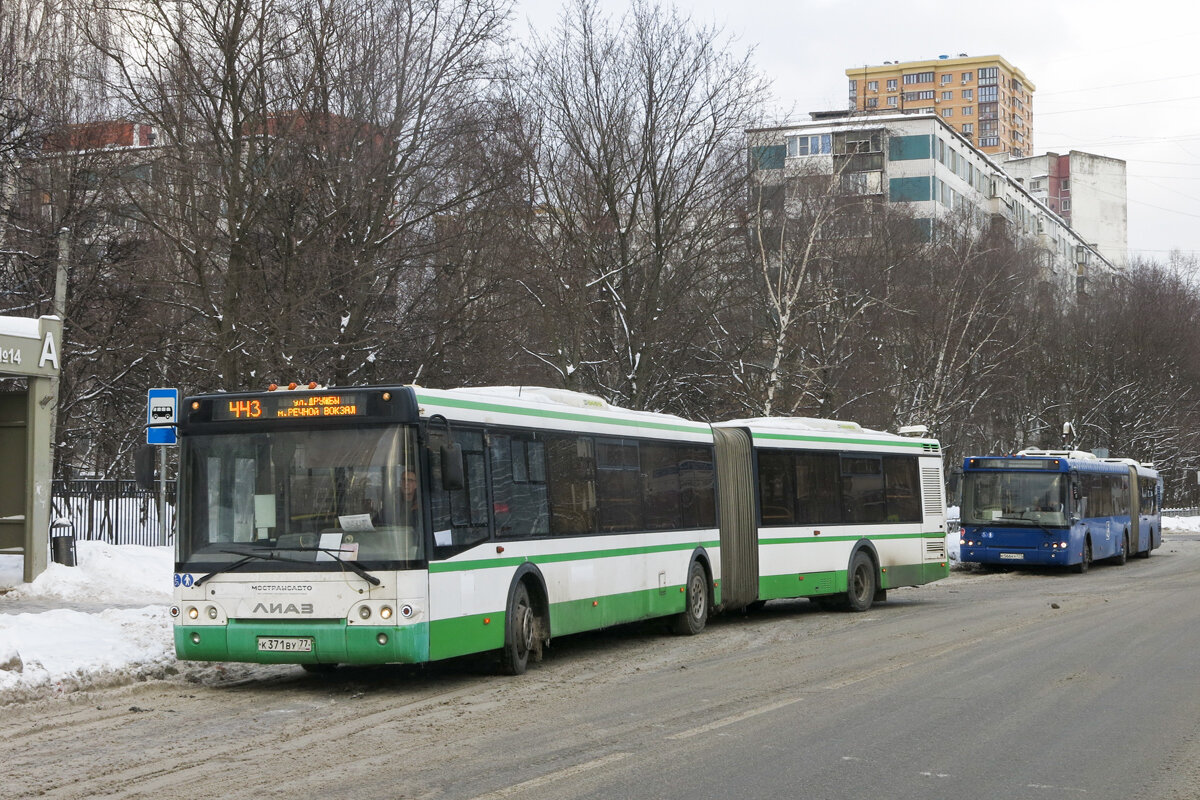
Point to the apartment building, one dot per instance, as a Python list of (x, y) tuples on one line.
[(1088, 191), (920, 163), (984, 98)]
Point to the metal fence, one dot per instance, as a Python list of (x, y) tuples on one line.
[(113, 511), (1181, 512)]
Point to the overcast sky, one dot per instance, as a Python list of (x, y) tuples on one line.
[(1118, 79)]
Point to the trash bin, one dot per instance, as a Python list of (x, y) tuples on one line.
[(62, 545)]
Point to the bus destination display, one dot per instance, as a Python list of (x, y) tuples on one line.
[(289, 406)]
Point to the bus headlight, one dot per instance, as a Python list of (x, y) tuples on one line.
[(212, 612), (364, 612), (193, 612), (386, 612)]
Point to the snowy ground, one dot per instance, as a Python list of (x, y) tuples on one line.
[(106, 620)]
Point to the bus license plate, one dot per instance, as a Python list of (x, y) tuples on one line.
[(283, 644), (1016, 556)]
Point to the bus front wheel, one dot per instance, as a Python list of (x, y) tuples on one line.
[(695, 613), (862, 583), (1086, 560), (519, 631)]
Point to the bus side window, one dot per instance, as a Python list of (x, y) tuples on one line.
[(519, 504), (460, 517), (571, 479)]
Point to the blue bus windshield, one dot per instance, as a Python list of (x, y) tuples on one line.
[(1014, 498)]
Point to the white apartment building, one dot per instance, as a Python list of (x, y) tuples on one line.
[(919, 162)]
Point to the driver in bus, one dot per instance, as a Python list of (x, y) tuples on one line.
[(410, 510)]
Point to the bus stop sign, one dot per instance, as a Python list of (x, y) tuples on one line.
[(161, 407)]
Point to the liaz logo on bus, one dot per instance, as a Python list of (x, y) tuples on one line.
[(283, 608)]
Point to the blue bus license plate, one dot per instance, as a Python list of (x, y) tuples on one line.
[(1014, 556)]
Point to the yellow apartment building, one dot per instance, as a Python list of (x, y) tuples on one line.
[(985, 98)]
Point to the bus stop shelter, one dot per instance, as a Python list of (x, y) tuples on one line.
[(29, 350)]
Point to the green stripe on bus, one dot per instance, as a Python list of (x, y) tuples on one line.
[(796, 437), (553, 558), (872, 537), (475, 405), (915, 574)]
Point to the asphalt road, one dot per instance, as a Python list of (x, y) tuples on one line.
[(986, 685)]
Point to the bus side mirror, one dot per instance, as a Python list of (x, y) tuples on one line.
[(452, 467), (143, 467)]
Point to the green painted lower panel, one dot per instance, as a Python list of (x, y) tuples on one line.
[(775, 587), (334, 642), (462, 635), (914, 574), (600, 612)]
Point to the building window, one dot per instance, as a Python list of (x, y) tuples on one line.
[(909, 148), (988, 94), (918, 77), (893, 101), (968, 94), (1066, 204), (967, 77), (968, 111), (872, 102), (910, 190), (1066, 184), (947, 112), (989, 141), (819, 144), (1035, 184), (769, 157), (947, 78), (891, 84), (947, 95), (987, 76), (968, 128), (911, 97), (872, 86)]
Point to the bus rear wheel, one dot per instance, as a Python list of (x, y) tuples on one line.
[(695, 613), (519, 631), (861, 581), (1086, 561)]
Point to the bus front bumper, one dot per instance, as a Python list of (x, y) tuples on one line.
[(309, 642), (1013, 556)]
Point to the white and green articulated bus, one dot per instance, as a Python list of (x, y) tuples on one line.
[(827, 510), (400, 524)]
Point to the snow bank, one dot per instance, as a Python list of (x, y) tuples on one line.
[(1181, 524), (63, 649), (77, 637), (106, 573)]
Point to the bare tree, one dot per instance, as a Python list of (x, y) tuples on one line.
[(639, 153), (307, 153)]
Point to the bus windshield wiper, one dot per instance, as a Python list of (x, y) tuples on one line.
[(271, 555)]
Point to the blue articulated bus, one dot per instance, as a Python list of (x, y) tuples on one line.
[(1058, 508)]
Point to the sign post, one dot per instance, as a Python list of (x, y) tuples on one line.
[(162, 406)]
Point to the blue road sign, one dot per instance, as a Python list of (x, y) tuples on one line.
[(161, 407)]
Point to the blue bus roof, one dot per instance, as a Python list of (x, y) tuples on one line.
[(1042, 462)]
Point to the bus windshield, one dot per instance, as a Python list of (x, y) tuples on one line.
[(301, 494), (1014, 498)]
